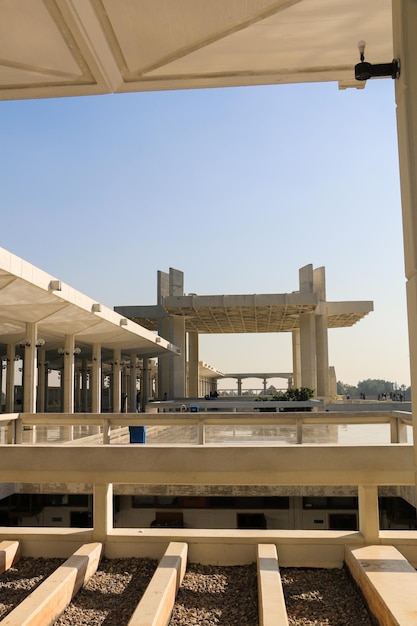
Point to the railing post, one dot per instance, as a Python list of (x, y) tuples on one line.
[(368, 512), (18, 430), (299, 429), (394, 431), (106, 431), (102, 511), (11, 432), (201, 432)]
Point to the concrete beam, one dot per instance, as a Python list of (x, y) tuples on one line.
[(157, 602), (49, 600)]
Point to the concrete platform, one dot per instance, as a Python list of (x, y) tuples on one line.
[(388, 582)]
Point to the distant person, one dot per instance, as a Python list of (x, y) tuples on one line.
[(165, 398)]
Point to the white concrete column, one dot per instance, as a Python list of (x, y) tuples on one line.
[(102, 511), (10, 375), (116, 381), (164, 361), (322, 342), (68, 375), (296, 358), (177, 362), (193, 365), (368, 512), (42, 380), (322, 356), (78, 385), (405, 49), (84, 385), (96, 379), (144, 388), (132, 384), (30, 369), (308, 350), (332, 380)]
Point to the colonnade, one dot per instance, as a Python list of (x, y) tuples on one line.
[(79, 381)]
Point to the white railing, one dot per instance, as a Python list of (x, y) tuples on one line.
[(205, 423)]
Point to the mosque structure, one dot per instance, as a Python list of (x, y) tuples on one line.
[(304, 313)]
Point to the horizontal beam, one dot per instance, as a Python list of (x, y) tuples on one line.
[(210, 465)]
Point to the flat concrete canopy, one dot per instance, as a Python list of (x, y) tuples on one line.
[(263, 313), (29, 295), (52, 48)]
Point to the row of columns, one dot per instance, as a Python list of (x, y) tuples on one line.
[(124, 388)]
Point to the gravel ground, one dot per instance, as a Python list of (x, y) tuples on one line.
[(212, 595), (325, 597), (111, 595), (209, 596)]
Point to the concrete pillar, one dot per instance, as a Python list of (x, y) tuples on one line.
[(132, 384), (30, 369), (322, 343), (10, 375), (95, 386), (42, 381), (308, 350), (116, 381), (193, 365), (68, 375), (239, 386), (368, 513), (264, 384), (102, 511), (296, 358), (177, 362), (144, 387), (84, 385), (333, 381), (78, 385), (405, 49)]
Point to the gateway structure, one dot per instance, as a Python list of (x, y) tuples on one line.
[(305, 313)]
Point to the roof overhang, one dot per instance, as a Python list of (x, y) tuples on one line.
[(55, 48), (29, 295), (253, 313)]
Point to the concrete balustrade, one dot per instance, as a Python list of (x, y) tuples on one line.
[(397, 420), (49, 600), (271, 603), (9, 554), (155, 607), (388, 582)]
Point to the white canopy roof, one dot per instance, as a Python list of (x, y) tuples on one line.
[(51, 48), (29, 295)]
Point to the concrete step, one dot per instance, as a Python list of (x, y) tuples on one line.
[(49, 600), (9, 554), (388, 583), (271, 603), (155, 607)]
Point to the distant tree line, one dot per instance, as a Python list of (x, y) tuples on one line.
[(373, 389)]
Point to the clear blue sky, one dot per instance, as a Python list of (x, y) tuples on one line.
[(239, 188)]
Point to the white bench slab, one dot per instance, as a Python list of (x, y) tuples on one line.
[(271, 604), (9, 554), (388, 582), (156, 604), (45, 604)]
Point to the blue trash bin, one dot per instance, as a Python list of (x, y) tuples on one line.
[(137, 434)]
